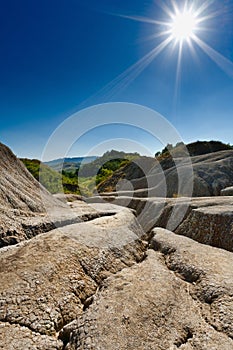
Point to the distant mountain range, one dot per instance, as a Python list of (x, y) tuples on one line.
[(69, 163)]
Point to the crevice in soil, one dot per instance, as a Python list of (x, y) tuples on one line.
[(65, 332), (184, 271), (93, 216), (192, 276), (29, 231), (87, 272), (184, 340), (32, 231)]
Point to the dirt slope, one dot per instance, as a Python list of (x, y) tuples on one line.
[(211, 173)]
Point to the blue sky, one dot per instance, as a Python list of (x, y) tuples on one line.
[(57, 55)]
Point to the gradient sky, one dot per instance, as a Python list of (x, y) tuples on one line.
[(57, 55)]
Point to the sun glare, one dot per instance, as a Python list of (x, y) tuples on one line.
[(183, 26)]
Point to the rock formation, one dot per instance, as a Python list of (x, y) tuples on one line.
[(48, 281), (228, 191), (211, 173), (179, 296), (27, 208), (208, 220), (78, 276), (22, 201)]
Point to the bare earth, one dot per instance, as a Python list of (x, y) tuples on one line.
[(100, 276)]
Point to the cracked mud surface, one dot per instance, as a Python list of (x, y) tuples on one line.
[(179, 297), (99, 285), (208, 220), (100, 282), (208, 271), (49, 281)]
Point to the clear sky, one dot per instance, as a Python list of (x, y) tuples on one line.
[(56, 56)]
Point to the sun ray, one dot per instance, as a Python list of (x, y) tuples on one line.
[(126, 78), (153, 36), (203, 7), (181, 28), (130, 74), (225, 64), (207, 17), (192, 50), (178, 69), (142, 19), (165, 8), (178, 76), (175, 7)]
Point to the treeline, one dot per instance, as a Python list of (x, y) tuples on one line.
[(82, 180), (107, 164), (52, 180), (193, 149)]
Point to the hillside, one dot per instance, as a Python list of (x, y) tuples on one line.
[(22, 199), (110, 160), (76, 177), (50, 178), (192, 149), (18, 188), (69, 164), (212, 172), (130, 171), (90, 175)]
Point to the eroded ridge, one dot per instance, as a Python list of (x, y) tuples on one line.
[(179, 297)]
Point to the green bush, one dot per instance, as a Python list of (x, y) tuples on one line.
[(53, 181)]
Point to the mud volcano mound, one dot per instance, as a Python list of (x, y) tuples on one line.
[(21, 198)]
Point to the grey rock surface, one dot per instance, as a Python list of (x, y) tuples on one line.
[(24, 202), (96, 285), (210, 225), (228, 191), (178, 297), (28, 209), (78, 276), (13, 337), (208, 220), (208, 270), (48, 281), (211, 173)]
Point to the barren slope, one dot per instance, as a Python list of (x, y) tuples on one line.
[(211, 173), (26, 207)]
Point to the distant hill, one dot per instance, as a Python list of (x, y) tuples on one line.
[(129, 171), (110, 160), (212, 170), (197, 148), (69, 164), (102, 168), (212, 166), (77, 173), (50, 178)]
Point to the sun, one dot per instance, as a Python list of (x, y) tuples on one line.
[(179, 31), (183, 26)]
